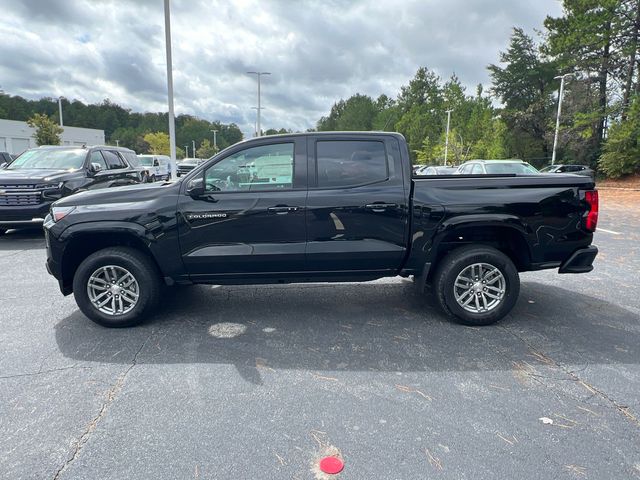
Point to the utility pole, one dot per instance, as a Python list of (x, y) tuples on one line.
[(555, 138), (446, 140), (259, 108), (186, 151), (172, 122), (215, 140), (60, 109), (117, 143), (193, 149)]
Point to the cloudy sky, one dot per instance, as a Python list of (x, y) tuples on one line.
[(318, 51)]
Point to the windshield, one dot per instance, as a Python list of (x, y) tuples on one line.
[(506, 167), (146, 161), (49, 159)]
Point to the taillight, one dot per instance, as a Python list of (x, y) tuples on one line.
[(591, 221)]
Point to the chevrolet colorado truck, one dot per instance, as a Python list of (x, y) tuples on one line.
[(320, 207)]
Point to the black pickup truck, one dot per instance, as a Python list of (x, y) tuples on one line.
[(320, 207)]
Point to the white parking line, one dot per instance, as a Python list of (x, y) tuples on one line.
[(598, 229)]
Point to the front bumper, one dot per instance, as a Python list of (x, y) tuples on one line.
[(24, 216), (580, 261)]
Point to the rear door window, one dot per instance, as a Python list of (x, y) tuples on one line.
[(349, 163)]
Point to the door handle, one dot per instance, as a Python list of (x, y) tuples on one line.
[(380, 207), (282, 209)]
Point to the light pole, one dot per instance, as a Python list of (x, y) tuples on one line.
[(172, 123), (446, 140), (555, 138), (117, 143), (60, 109), (258, 74), (193, 148), (186, 151), (215, 140)]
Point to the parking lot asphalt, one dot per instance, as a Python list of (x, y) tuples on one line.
[(259, 382)]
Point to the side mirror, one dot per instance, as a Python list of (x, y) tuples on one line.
[(95, 168), (155, 163), (195, 187)]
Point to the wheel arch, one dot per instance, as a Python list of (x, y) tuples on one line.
[(508, 238), (82, 243)]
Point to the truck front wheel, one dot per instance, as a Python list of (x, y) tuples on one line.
[(117, 286), (476, 285)]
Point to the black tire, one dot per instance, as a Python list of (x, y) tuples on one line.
[(152, 179), (141, 268), (454, 263)]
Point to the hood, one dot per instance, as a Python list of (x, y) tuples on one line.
[(30, 177), (140, 192)]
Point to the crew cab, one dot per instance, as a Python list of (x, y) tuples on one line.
[(40, 176), (320, 207)]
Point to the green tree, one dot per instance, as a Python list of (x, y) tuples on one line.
[(622, 149), (47, 131), (525, 85), (206, 150), (158, 143), (584, 39)]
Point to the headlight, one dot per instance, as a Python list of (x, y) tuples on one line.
[(58, 213)]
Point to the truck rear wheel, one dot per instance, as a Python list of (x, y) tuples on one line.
[(476, 285), (117, 287)]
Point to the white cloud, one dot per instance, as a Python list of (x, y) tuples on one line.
[(317, 51)]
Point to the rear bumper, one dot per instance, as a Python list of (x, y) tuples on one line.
[(580, 261)]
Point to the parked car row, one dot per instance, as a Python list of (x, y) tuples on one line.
[(498, 167)]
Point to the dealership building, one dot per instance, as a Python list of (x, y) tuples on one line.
[(16, 137)]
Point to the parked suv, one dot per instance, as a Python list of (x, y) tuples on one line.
[(39, 176), (188, 164)]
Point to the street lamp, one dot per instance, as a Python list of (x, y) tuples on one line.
[(172, 123), (258, 75), (186, 151), (60, 109), (446, 140), (193, 149), (215, 140), (555, 138)]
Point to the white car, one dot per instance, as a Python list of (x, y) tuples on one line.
[(158, 166)]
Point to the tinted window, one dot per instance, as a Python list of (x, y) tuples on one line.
[(268, 167), (113, 160), (96, 157), (349, 163)]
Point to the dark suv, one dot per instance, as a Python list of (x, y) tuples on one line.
[(39, 176)]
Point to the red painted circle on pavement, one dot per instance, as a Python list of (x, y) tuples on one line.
[(331, 465)]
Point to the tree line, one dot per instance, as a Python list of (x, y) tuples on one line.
[(596, 41), (141, 132)]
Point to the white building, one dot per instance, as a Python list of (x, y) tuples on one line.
[(16, 137)]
